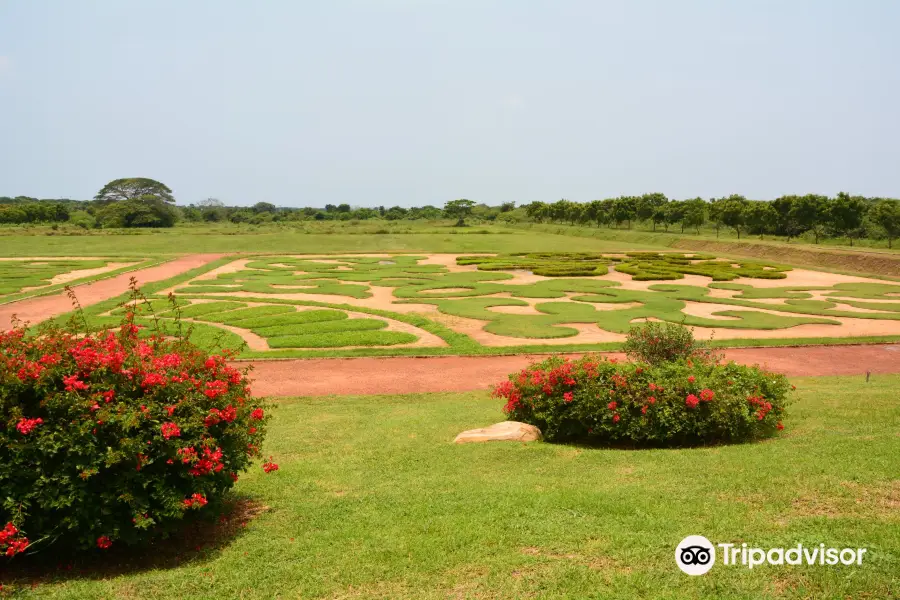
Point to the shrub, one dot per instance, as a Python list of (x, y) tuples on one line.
[(655, 343), (684, 402), (114, 437)]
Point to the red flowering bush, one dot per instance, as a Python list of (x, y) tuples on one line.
[(684, 402), (115, 437)]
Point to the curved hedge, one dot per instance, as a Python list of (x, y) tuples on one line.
[(681, 403), (111, 437)]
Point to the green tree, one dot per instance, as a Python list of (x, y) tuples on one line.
[(694, 214), (263, 207), (886, 214), (809, 213), (146, 211), (537, 211), (459, 210), (732, 212), (846, 214), (675, 213), (133, 188), (624, 209), (648, 205), (760, 217)]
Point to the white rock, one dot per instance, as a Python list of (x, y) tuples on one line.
[(507, 431)]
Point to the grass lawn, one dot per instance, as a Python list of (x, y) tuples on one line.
[(364, 237), (374, 501)]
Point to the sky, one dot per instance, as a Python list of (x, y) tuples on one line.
[(414, 102)]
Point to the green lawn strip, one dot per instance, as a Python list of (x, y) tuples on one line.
[(195, 311), (279, 239), (373, 500), (337, 339), (234, 317), (52, 289), (797, 306), (149, 289), (18, 274), (295, 318), (648, 266), (885, 306), (457, 342), (643, 266), (652, 304), (340, 325)]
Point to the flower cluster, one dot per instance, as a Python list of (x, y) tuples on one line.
[(195, 501), (683, 402), (157, 415), (10, 541)]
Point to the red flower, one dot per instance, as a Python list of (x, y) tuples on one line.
[(257, 414), (568, 396), (616, 418), (229, 414), (25, 426), (108, 396), (652, 400), (269, 466), (707, 394), (644, 410), (170, 430), (73, 384), (153, 379), (103, 542), (692, 379), (171, 409), (612, 405), (780, 426), (196, 500), (692, 401), (215, 388)]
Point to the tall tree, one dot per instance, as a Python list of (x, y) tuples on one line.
[(760, 217), (648, 205), (732, 212), (459, 210), (694, 214), (846, 214), (809, 212), (133, 188), (886, 214)]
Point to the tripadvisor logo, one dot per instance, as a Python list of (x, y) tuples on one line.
[(696, 555)]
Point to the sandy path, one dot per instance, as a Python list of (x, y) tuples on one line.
[(343, 376), (35, 310)]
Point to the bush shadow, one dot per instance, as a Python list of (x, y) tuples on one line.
[(196, 542)]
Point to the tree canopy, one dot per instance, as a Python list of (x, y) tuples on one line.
[(132, 188)]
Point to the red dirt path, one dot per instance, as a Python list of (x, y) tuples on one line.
[(35, 310), (349, 376)]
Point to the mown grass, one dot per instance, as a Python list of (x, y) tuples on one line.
[(374, 501), (867, 261), (17, 277), (413, 237), (472, 295)]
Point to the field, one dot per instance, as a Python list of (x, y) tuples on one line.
[(437, 304), (374, 501)]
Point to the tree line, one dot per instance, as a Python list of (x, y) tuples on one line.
[(841, 216), (142, 202)]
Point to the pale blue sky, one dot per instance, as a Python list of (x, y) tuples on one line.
[(417, 102)]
